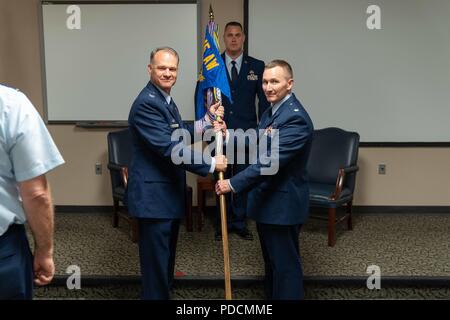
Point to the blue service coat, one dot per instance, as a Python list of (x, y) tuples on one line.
[(242, 112), (283, 198), (156, 186)]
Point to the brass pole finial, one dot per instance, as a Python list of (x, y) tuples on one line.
[(211, 13)]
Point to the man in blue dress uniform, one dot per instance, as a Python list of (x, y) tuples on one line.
[(245, 78), (279, 200)]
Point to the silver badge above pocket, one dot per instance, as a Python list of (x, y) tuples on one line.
[(252, 76), (174, 125)]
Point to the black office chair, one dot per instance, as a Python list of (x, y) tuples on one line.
[(332, 167), (119, 153), (119, 159)]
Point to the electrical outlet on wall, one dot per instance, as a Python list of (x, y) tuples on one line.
[(381, 168), (98, 168)]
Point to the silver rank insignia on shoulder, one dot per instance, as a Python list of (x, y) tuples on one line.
[(151, 95), (296, 110), (252, 76)]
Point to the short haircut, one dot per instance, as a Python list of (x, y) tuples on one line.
[(283, 64), (233, 24), (166, 49)]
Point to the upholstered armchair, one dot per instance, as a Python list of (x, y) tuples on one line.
[(332, 168)]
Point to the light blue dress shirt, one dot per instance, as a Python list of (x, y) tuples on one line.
[(26, 152), (277, 105), (230, 65)]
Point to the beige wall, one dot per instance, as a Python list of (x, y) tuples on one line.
[(415, 176), (224, 11)]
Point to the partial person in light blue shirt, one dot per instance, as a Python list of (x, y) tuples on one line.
[(27, 153)]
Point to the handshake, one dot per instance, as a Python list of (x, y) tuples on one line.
[(216, 113)]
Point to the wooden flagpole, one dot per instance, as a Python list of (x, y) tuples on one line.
[(223, 207)]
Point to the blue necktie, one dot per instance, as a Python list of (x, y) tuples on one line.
[(173, 108), (234, 73)]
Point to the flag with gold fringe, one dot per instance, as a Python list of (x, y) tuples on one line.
[(213, 81)]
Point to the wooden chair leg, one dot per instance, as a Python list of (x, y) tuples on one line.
[(134, 230), (331, 227), (349, 210), (115, 220), (188, 205)]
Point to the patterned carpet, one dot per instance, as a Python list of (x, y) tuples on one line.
[(246, 292), (404, 246), (400, 244)]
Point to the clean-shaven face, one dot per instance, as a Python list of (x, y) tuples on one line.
[(234, 39), (277, 84), (163, 70)]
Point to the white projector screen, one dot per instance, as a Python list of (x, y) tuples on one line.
[(96, 72), (390, 85)]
